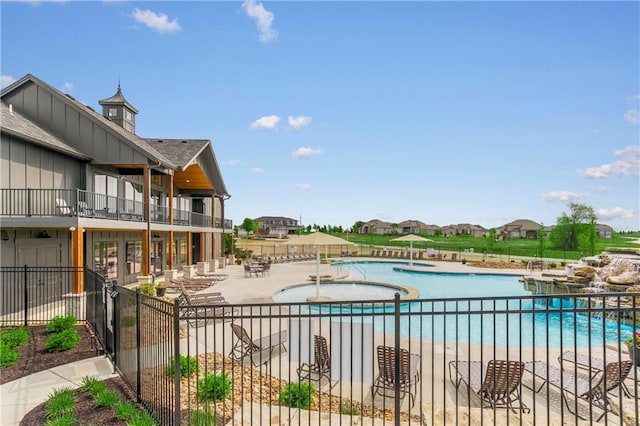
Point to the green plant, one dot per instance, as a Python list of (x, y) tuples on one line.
[(552, 265), (65, 420), (348, 409), (188, 366), (93, 385), (106, 398), (148, 289), (62, 341), (563, 263), (8, 355), (60, 402), (124, 410), (14, 337), (205, 417), (298, 395), (634, 340), (60, 323), (128, 321), (141, 418), (214, 387)]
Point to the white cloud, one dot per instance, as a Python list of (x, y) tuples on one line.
[(304, 186), (615, 213), (266, 122), (263, 19), (602, 189), (257, 170), (299, 122), (231, 163), (67, 87), (6, 80), (633, 98), (561, 196), (306, 152), (156, 21), (628, 164), (632, 117)]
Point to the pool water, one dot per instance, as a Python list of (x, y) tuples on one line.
[(336, 291), (433, 320)]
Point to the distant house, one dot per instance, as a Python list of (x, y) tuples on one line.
[(475, 231), (376, 226), (604, 231), (521, 228), (412, 227), (277, 225)]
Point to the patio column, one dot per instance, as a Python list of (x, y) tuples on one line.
[(170, 250), (202, 247), (189, 242), (77, 259), (146, 234), (213, 225)]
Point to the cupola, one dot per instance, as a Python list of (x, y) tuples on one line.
[(120, 111)]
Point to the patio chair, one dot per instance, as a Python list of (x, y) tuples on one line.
[(246, 347), (199, 310), (321, 365), (596, 365), (63, 208), (497, 383), (593, 390), (408, 377)]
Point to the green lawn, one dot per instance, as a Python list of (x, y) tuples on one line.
[(505, 248)]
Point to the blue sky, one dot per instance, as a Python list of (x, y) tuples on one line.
[(333, 112)]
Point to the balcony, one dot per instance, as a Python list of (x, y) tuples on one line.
[(81, 203)]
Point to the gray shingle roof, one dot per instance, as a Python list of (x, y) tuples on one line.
[(182, 152), (118, 99), (13, 123)]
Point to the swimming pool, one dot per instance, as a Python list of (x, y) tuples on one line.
[(507, 317)]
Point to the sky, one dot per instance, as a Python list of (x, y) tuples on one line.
[(337, 112)]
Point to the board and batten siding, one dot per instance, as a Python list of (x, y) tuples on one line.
[(77, 128), (25, 165)]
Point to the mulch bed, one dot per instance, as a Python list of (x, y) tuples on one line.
[(33, 357), (85, 408)]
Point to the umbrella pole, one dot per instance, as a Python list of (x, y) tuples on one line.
[(317, 274), (411, 254)]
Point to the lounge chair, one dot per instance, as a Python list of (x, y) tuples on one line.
[(454, 257), (321, 365), (497, 383), (593, 390), (246, 347), (63, 208), (198, 310), (387, 380), (596, 365)]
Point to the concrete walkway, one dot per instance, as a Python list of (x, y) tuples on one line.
[(20, 396)]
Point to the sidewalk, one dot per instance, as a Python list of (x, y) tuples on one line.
[(20, 396)]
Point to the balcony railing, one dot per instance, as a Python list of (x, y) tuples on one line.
[(81, 203)]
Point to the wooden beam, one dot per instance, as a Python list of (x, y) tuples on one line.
[(146, 234), (189, 260), (170, 251), (77, 259), (145, 253)]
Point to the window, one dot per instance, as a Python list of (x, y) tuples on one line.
[(113, 112), (134, 257), (107, 187), (128, 115), (133, 198), (105, 258)]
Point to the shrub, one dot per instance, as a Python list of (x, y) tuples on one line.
[(148, 289), (205, 417), (124, 410), (129, 321), (552, 265), (60, 402), (141, 418), (66, 420), (8, 355), (15, 337), (298, 395), (188, 366), (62, 341), (60, 323), (93, 385), (563, 264), (348, 409), (106, 398), (215, 387)]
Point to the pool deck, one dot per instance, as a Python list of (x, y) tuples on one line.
[(241, 289)]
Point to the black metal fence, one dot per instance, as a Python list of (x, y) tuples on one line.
[(34, 295), (514, 360)]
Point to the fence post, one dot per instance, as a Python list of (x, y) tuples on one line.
[(176, 360), (396, 361), (26, 295), (138, 363)]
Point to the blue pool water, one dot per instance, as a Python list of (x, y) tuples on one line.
[(541, 326)]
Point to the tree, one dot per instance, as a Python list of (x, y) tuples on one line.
[(573, 227), (491, 240), (356, 226), (541, 240), (250, 225)]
